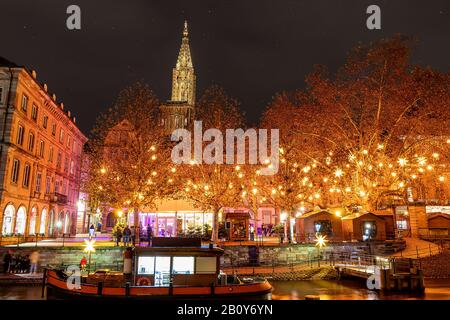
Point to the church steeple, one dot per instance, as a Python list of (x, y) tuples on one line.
[(183, 76)]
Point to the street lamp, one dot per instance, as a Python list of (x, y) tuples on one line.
[(89, 248)]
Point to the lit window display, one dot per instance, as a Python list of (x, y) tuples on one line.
[(168, 224), (21, 221), (162, 271), (8, 219), (146, 265), (183, 265)]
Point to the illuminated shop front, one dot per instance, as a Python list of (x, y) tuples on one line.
[(171, 224)]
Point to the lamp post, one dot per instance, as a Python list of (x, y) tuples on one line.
[(89, 248)]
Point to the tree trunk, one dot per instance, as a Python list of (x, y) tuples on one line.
[(136, 225), (215, 226)]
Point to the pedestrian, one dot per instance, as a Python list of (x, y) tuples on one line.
[(34, 259), (149, 234), (12, 264), (133, 235), (26, 264), (18, 264), (118, 236), (91, 231), (83, 263), (7, 261), (126, 236)]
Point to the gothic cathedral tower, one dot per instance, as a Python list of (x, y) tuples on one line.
[(179, 111)]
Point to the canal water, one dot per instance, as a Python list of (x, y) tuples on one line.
[(293, 290)]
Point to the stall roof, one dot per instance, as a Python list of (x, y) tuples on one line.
[(358, 215), (312, 213)]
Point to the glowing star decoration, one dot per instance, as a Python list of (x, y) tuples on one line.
[(89, 246), (321, 241)]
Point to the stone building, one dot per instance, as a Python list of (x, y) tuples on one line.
[(41, 149), (178, 112)]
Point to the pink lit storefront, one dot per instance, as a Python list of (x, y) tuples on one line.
[(173, 218)]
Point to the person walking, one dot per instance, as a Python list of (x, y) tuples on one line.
[(118, 236), (12, 264), (34, 259), (19, 263), (26, 264), (7, 261), (91, 231), (126, 236), (133, 236)]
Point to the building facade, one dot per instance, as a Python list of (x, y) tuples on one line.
[(41, 150)]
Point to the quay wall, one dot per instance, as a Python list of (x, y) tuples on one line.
[(107, 257), (112, 257)]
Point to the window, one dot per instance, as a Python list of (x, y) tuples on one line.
[(68, 141), (50, 154), (45, 121), (30, 142), (58, 159), (64, 187), (323, 227), (205, 265), (146, 265), (402, 224), (24, 102), (183, 265), (20, 133), (15, 171), (53, 129), (47, 184), (26, 175), (61, 135), (66, 165), (34, 112), (71, 167), (38, 181), (56, 186), (1, 94), (41, 148)]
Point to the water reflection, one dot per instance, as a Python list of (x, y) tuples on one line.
[(354, 290), (294, 290)]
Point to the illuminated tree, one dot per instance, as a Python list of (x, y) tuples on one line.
[(130, 164), (295, 186), (214, 186), (378, 126)]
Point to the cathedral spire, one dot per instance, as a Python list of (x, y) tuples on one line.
[(185, 30), (183, 76)]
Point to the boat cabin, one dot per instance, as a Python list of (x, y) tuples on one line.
[(176, 261)]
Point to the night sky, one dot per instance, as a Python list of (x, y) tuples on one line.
[(253, 48)]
